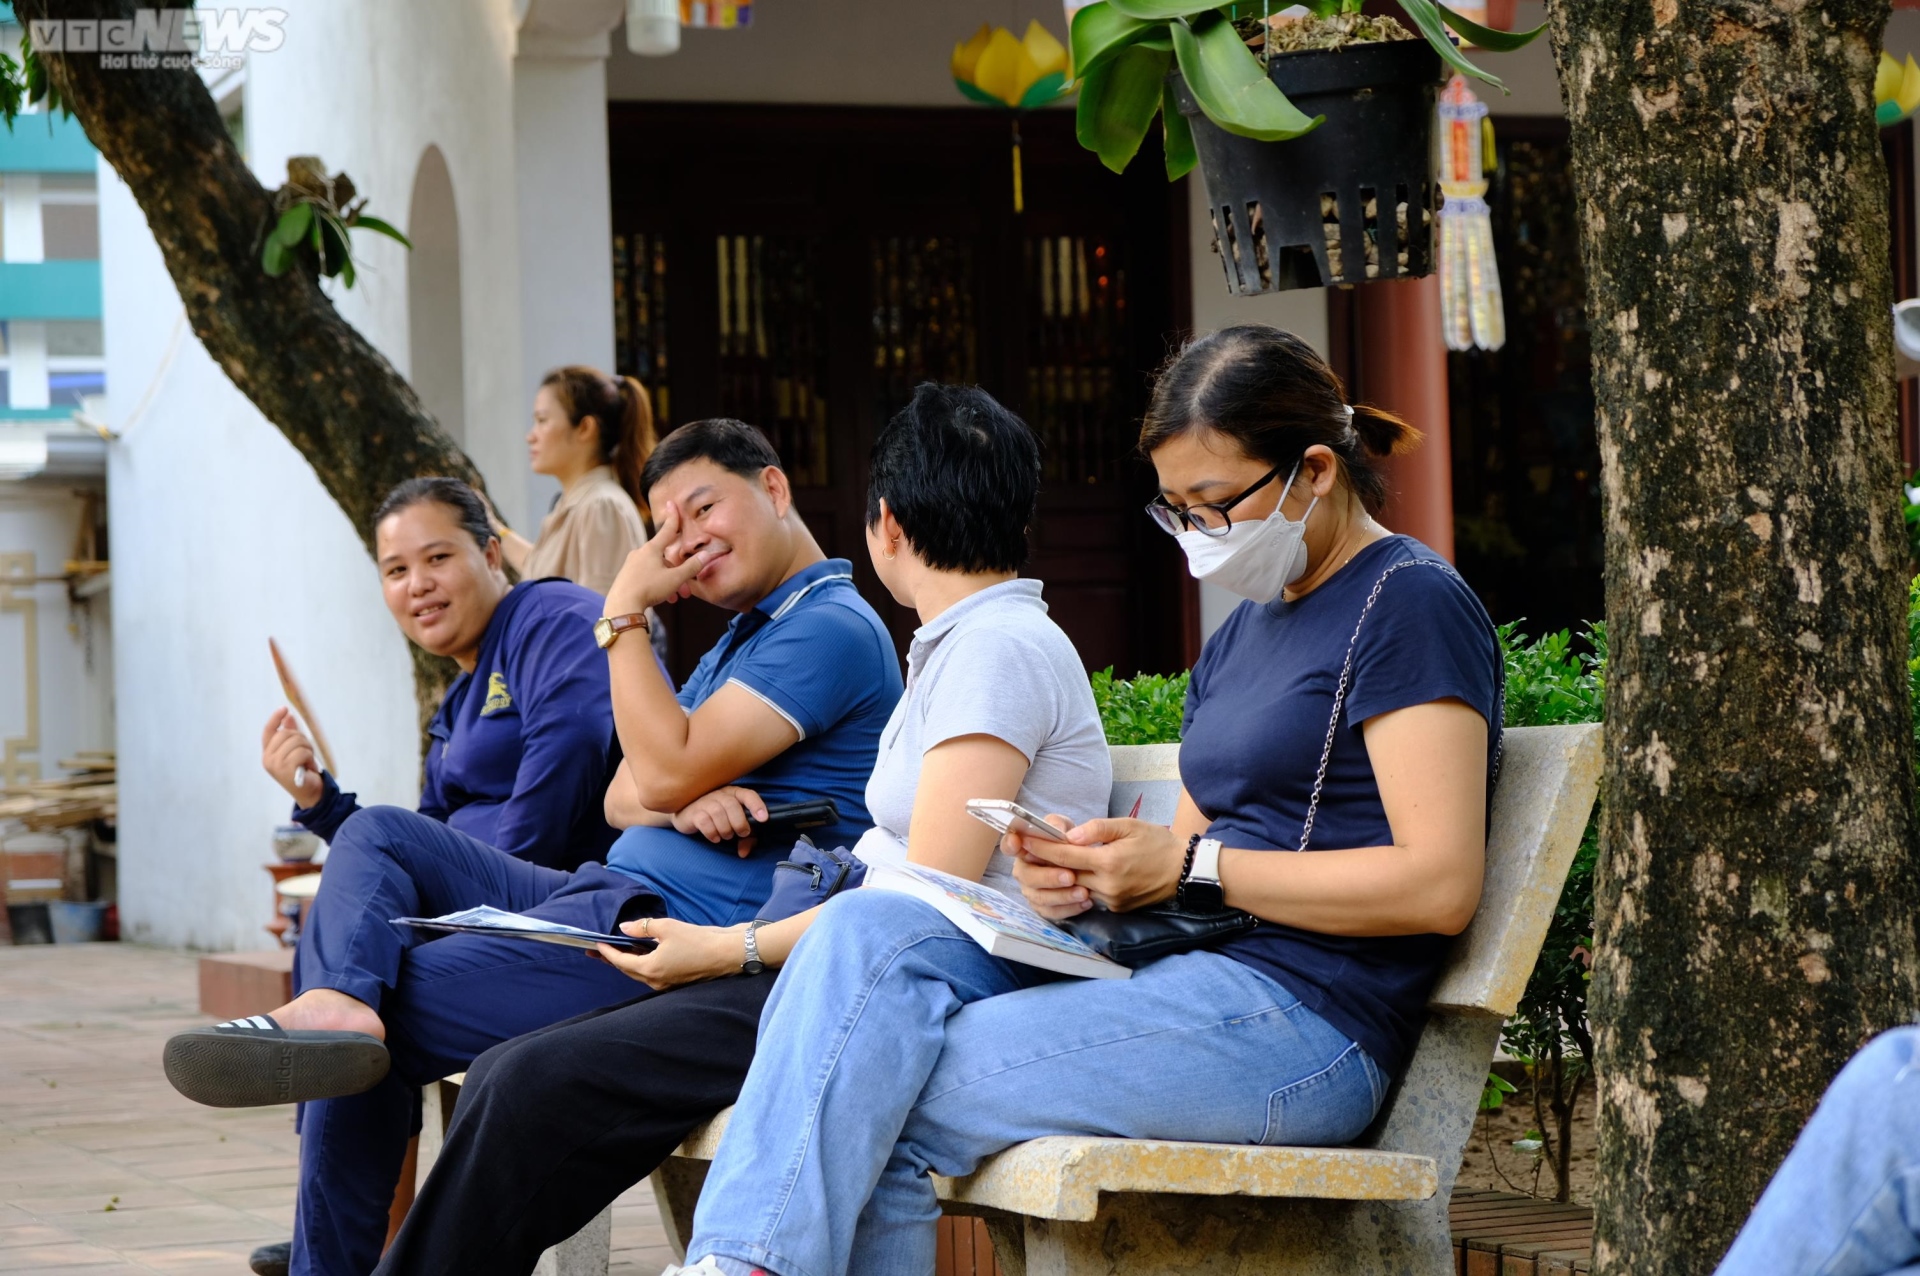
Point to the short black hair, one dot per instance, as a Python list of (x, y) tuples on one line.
[(730, 444), (465, 503), (962, 474)]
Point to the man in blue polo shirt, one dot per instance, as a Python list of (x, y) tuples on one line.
[(788, 706), (759, 722)]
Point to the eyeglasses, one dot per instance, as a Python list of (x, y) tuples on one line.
[(1212, 520)]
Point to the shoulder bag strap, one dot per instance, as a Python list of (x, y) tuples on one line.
[(1346, 679)]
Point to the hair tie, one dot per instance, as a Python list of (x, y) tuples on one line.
[(1348, 409)]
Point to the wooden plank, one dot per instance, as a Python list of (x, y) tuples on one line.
[(1561, 1238)]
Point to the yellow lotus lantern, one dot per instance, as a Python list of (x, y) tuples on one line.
[(1896, 90), (995, 69)]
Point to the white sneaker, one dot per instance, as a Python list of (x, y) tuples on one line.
[(705, 1267)]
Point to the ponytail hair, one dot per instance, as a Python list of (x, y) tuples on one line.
[(1272, 393), (623, 412)]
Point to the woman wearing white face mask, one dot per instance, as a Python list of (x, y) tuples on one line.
[(1350, 709)]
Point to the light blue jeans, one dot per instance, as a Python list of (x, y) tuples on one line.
[(894, 1047), (1846, 1201)]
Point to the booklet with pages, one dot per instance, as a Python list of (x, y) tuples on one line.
[(486, 920), (999, 923)]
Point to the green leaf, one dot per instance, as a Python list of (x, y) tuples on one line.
[(346, 271), (1099, 31), (1426, 20), (1494, 1092), (13, 90), (1044, 90), (1177, 133), (379, 227), (1118, 101), (981, 96), (1164, 10), (1487, 37), (293, 226), (1231, 86), (337, 255), (274, 258)]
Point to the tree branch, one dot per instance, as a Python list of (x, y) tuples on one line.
[(279, 340)]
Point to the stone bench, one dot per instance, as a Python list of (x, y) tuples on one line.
[(1074, 1206)]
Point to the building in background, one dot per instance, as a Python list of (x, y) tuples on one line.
[(56, 656)]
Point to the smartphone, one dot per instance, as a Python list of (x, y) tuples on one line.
[(1011, 817), (791, 819)]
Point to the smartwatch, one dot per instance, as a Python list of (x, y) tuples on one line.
[(1200, 889), (753, 965)]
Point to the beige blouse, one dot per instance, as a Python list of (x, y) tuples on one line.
[(589, 533)]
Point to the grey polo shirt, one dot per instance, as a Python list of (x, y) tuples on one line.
[(992, 664)]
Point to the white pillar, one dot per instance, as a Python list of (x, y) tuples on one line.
[(20, 235), (27, 363), (566, 224)]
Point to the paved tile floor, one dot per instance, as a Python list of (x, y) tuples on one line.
[(105, 1171)]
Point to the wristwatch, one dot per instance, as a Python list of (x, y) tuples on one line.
[(608, 628), (1200, 889), (753, 965)]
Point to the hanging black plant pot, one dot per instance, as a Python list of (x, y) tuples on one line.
[(1350, 202)]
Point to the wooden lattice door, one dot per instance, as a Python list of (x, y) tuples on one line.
[(803, 269)]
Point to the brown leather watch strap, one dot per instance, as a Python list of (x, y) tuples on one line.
[(617, 625)]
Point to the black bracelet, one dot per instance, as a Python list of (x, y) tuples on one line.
[(1186, 871)]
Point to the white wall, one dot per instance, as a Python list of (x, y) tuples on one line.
[(222, 534)]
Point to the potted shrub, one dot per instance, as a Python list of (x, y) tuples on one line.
[(1313, 135)]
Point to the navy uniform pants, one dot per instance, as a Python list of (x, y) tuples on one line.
[(444, 1001), (551, 1127)]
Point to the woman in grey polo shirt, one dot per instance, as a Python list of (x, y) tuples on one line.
[(997, 706)]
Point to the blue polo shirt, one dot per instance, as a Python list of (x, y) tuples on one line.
[(522, 749), (816, 654)]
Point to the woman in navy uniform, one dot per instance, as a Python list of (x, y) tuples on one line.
[(523, 746)]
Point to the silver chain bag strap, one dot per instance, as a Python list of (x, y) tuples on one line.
[(1346, 679)]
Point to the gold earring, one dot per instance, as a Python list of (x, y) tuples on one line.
[(889, 554)]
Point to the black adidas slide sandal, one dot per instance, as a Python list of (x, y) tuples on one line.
[(254, 1062)]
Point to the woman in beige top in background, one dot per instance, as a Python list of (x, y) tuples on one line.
[(593, 432)]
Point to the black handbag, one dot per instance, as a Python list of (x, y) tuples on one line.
[(1161, 930)]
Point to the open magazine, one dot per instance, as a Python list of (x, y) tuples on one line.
[(486, 920), (999, 923)]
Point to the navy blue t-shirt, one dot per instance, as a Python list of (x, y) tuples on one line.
[(815, 653), (1256, 722)]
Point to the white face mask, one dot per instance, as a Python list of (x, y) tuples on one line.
[(1253, 560)]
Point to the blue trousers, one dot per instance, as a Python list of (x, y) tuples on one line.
[(1846, 1201), (443, 1002), (893, 1047)]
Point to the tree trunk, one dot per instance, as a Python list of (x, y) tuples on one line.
[(1756, 889), (307, 370)]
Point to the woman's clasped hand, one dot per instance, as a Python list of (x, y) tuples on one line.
[(1117, 864)]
